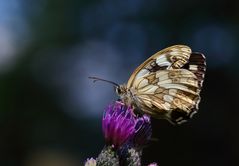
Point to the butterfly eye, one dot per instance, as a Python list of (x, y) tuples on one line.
[(118, 90)]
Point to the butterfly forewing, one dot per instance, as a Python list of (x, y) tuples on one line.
[(171, 57)]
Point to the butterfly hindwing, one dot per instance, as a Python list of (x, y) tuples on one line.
[(162, 92), (197, 65)]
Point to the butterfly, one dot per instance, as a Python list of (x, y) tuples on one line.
[(167, 85)]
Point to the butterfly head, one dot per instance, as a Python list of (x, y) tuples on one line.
[(121, 90), (124, 94)]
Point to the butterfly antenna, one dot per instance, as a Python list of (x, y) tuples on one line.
[(100, 79)]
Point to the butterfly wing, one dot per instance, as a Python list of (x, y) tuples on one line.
[(172, 57), (163, 93), (197, 65), (170, 87)]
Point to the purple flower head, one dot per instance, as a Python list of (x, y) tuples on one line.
[(121, 126), (118, 124), (143, 131)]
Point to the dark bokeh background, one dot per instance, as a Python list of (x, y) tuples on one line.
[(50, 113)]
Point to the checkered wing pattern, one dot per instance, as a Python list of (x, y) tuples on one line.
[(168, 84)]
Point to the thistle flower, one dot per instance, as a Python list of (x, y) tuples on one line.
[(118, 124), (108, 157), (143, 132), (125, 135), (121, 126)]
